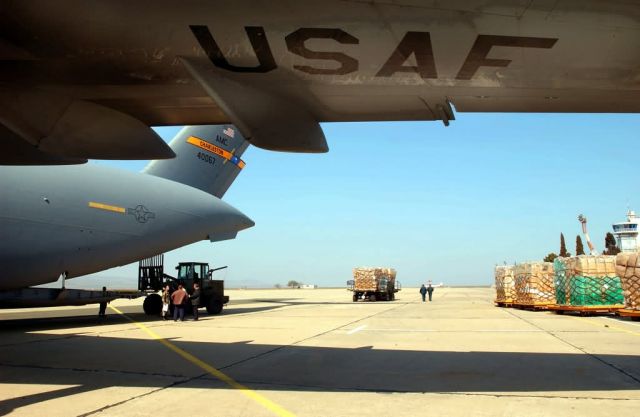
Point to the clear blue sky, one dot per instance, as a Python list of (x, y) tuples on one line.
[(434, 202)]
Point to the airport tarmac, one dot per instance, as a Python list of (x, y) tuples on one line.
[(315, 353)]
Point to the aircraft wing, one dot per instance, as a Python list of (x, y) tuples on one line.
[(86, 79)]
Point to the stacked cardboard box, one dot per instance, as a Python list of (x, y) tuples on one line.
[(587, 280), (505, 284), (534, 283), (628, 268), (368, 279)]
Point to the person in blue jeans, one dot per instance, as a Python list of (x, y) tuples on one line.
[(179, 299)]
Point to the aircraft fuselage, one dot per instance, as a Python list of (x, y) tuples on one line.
[(84, 219)]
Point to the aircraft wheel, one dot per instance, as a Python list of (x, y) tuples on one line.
[(214, 306), (152, 304)]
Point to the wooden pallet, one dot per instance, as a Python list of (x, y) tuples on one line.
[(503, 303), (531, 306), (627, 312), (585, 310)]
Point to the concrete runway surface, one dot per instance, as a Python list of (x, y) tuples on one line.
[(316, 353)]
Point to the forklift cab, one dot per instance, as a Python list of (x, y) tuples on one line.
[(190, 272)]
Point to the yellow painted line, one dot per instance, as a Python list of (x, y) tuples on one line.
[(108, 207), (248, 392), (611, 326)]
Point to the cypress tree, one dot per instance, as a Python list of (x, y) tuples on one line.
[(610, 245), (579, 247), (563, 248)]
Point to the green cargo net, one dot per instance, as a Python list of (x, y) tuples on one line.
[(579, 289)]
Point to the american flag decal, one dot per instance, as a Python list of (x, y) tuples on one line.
[(229, 132)]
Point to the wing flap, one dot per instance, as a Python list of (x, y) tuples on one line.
[(76, 129)]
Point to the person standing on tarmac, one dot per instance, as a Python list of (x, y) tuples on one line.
[(423, 292), (195, 300), (179, 299), (430, 291), (102, 313), (166, 300)]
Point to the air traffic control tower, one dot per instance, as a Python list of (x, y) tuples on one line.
[(626, 233)]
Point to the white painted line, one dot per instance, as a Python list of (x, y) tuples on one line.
[(452, 331), (357, 329), (622, 321)]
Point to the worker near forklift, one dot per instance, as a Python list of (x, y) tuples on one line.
[(179, 299), (423, 292), (166, 300), (195, 300)]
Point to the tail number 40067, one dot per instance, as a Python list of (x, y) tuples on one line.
[(206, 158)]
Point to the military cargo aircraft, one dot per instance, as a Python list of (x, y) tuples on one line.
[(79, 219), (82, 80), (86, 79)]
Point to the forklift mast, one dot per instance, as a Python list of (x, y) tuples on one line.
[(151, 273)]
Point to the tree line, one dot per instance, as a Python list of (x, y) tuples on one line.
[(611, 248)]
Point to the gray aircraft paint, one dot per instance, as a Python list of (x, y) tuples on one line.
[(87, 218), (275, 69), (207, 158)]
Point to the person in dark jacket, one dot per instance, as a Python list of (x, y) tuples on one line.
[(195, 300), (430, 291), (179, 298), (423, 292), (102, 313)]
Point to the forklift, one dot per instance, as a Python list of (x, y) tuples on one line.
[(152, 279)]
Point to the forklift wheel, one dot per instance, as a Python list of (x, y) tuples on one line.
[(152, 305), (214, 307)]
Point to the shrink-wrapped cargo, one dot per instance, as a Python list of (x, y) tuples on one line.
[(628, 268), (534, 284), (505, 284)]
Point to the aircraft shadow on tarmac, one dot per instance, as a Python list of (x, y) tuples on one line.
[(90, 363), (88, 317)]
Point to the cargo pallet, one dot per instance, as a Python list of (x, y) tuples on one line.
[(585, 310), (627, 312), (503, 303), (531, 306)]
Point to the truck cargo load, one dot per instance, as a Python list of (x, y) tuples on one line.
[(374, 284)]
